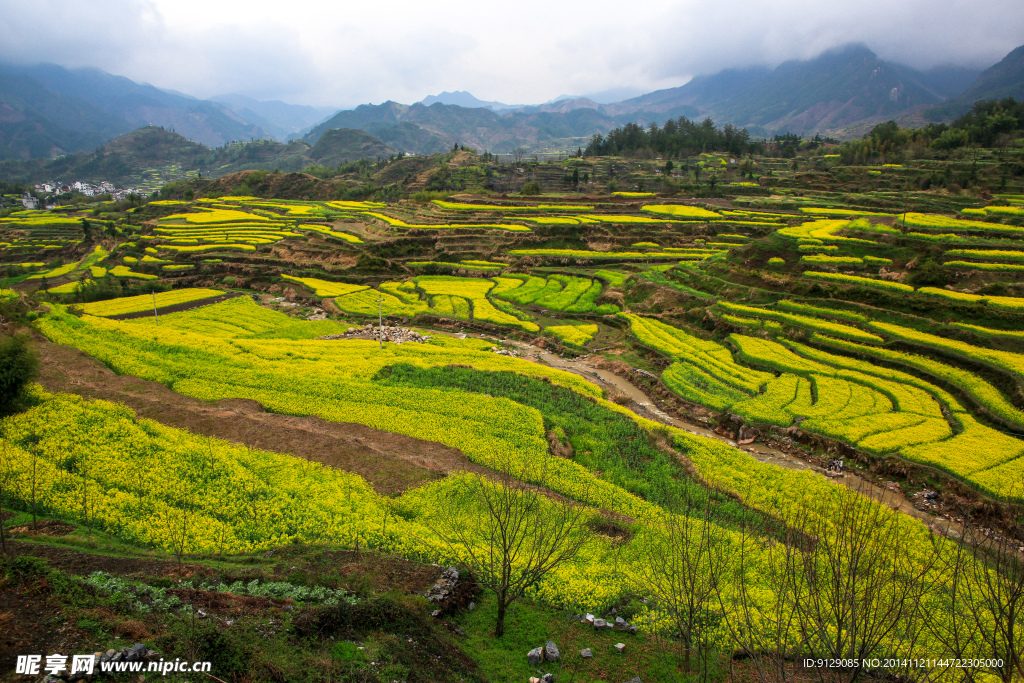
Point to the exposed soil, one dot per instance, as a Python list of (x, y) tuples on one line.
[(381, 572), (82, 563), (49, 527), (30, 623), (32, 619), (391, 463), (229, 604)]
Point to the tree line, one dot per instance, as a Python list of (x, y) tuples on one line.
[(989, 123), (841, 579), (676, 138)]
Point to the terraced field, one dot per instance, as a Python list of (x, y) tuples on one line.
[(815, 321)]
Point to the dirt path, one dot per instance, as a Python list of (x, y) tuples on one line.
[(391, 463), (645, 407)]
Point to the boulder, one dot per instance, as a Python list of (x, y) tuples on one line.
[(620, 647), (452, 592), (535, 656), (586, 653), (588, 618), (621, 624), (136, 653), (599, 623), (547, 678), (551, 653)]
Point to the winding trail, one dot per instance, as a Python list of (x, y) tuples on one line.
[(643, 405)]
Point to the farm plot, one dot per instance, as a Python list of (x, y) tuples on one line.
[(145, 302), (577, 335), (806, 322), (936, 222), (876, 409), (444, 296), (583, 254), (557, 292)]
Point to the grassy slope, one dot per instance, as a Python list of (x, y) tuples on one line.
[(400, 640)]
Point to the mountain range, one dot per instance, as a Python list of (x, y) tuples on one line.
[(48, 111)]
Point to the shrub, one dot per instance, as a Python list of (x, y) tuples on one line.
[(530, 188), (424, 196), (929, 274), (19, 366)]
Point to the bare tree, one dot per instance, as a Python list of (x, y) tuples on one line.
[(514, 536), (684, 563), (760, 613), (33, 445), (518, 154), (958, 632), (6, 482), (860, 580), (176, 522), (989, 595)]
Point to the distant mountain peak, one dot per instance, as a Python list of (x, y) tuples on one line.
[(461, 98), (827, 93)]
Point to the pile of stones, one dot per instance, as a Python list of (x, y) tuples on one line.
[(395, 335), (136, 653), (619, 624)]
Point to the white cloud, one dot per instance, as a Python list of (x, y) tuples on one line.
[(344, 53)]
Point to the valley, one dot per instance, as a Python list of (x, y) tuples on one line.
[(710, 377)]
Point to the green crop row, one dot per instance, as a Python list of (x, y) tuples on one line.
[(982, 392), (1008, 303), (859, 281), (825, 259), (325, 288), (815, 324), (144, 302), (797, 307), (996, 267), (577, 335), (988, 255), (930, 221), (558, 293)]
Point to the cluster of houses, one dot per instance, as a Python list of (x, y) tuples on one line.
[(87, 189)]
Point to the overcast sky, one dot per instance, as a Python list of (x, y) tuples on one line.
[(344, 53)]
